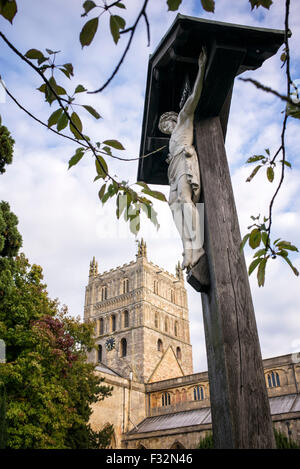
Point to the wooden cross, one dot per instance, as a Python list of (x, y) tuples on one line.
[(239, 401)]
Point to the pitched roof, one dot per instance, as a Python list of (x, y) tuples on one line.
[(278, 405)]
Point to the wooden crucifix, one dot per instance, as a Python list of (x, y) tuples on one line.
[(239, 402)]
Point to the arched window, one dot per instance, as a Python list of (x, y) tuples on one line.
[(123, 348), (166, 399), (99, 353), (125, 285), (155, 286), (104, 293), (198, 393), (176, 328), (101, 326), (273, 379), (166, 324), (177, 445), (173, 296), (178, 353), (126, 319), (113, 322), (159, 345), (156, 320)]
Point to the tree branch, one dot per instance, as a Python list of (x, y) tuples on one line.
[(132, 30)]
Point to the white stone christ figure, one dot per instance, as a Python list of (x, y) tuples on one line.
[(183, 171)]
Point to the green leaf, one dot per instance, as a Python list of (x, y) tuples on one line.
[(92, 111), (8, 10), (155, 194), (120, 5), (77, 122), (253, 173), (255, 238), (253, 266), (88, 6), (254, 158), (296, 272), (270, 174), (57, 88), (286, 245), (34, 54), (62, 122), (261, 273), (102, 191), (88, 32), (208, 5), (101, 167), (51, 52), (264, 237), (77, 157), (260, 252), (173, 4), (116, 23), (80, 89), (68, 69), (287, 163), (258, 3), (244, 241), (114, 143), (54, 117), (293, 110)]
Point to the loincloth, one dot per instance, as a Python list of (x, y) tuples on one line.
[(188, 166)]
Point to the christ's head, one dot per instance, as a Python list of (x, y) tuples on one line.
[(167, 122)]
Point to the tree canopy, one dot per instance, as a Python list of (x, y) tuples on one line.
[(46, 384)]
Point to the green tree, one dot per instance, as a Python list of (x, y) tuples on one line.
[(49, 384)]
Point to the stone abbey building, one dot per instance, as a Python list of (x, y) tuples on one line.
[(141, 320)]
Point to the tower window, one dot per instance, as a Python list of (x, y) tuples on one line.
[(198, 393), (126, 319), (159, 345), (176, 328), (104, 293), (156, 320), (113, 323), (166, 324), (99, 353), (123, 348), (125, 283), (155, 287), (166, 399), (178, 353), (172, 296), (101, 328), (273, 380)]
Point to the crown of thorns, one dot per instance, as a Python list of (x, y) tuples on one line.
[(171, 115)]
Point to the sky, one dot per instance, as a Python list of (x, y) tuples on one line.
[(61, 220)]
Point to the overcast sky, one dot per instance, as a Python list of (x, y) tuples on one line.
[(61, 219)]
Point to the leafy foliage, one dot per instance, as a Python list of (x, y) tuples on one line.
[(206, 442), (258, 237), (10, 238), (283, 442), (48, 382), (6, 147)]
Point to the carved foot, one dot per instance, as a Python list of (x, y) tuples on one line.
[(198, 275), (187, 259)]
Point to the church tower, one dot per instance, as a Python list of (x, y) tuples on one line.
[(141, 319)]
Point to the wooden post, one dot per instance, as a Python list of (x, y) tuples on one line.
[(239, 402)]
